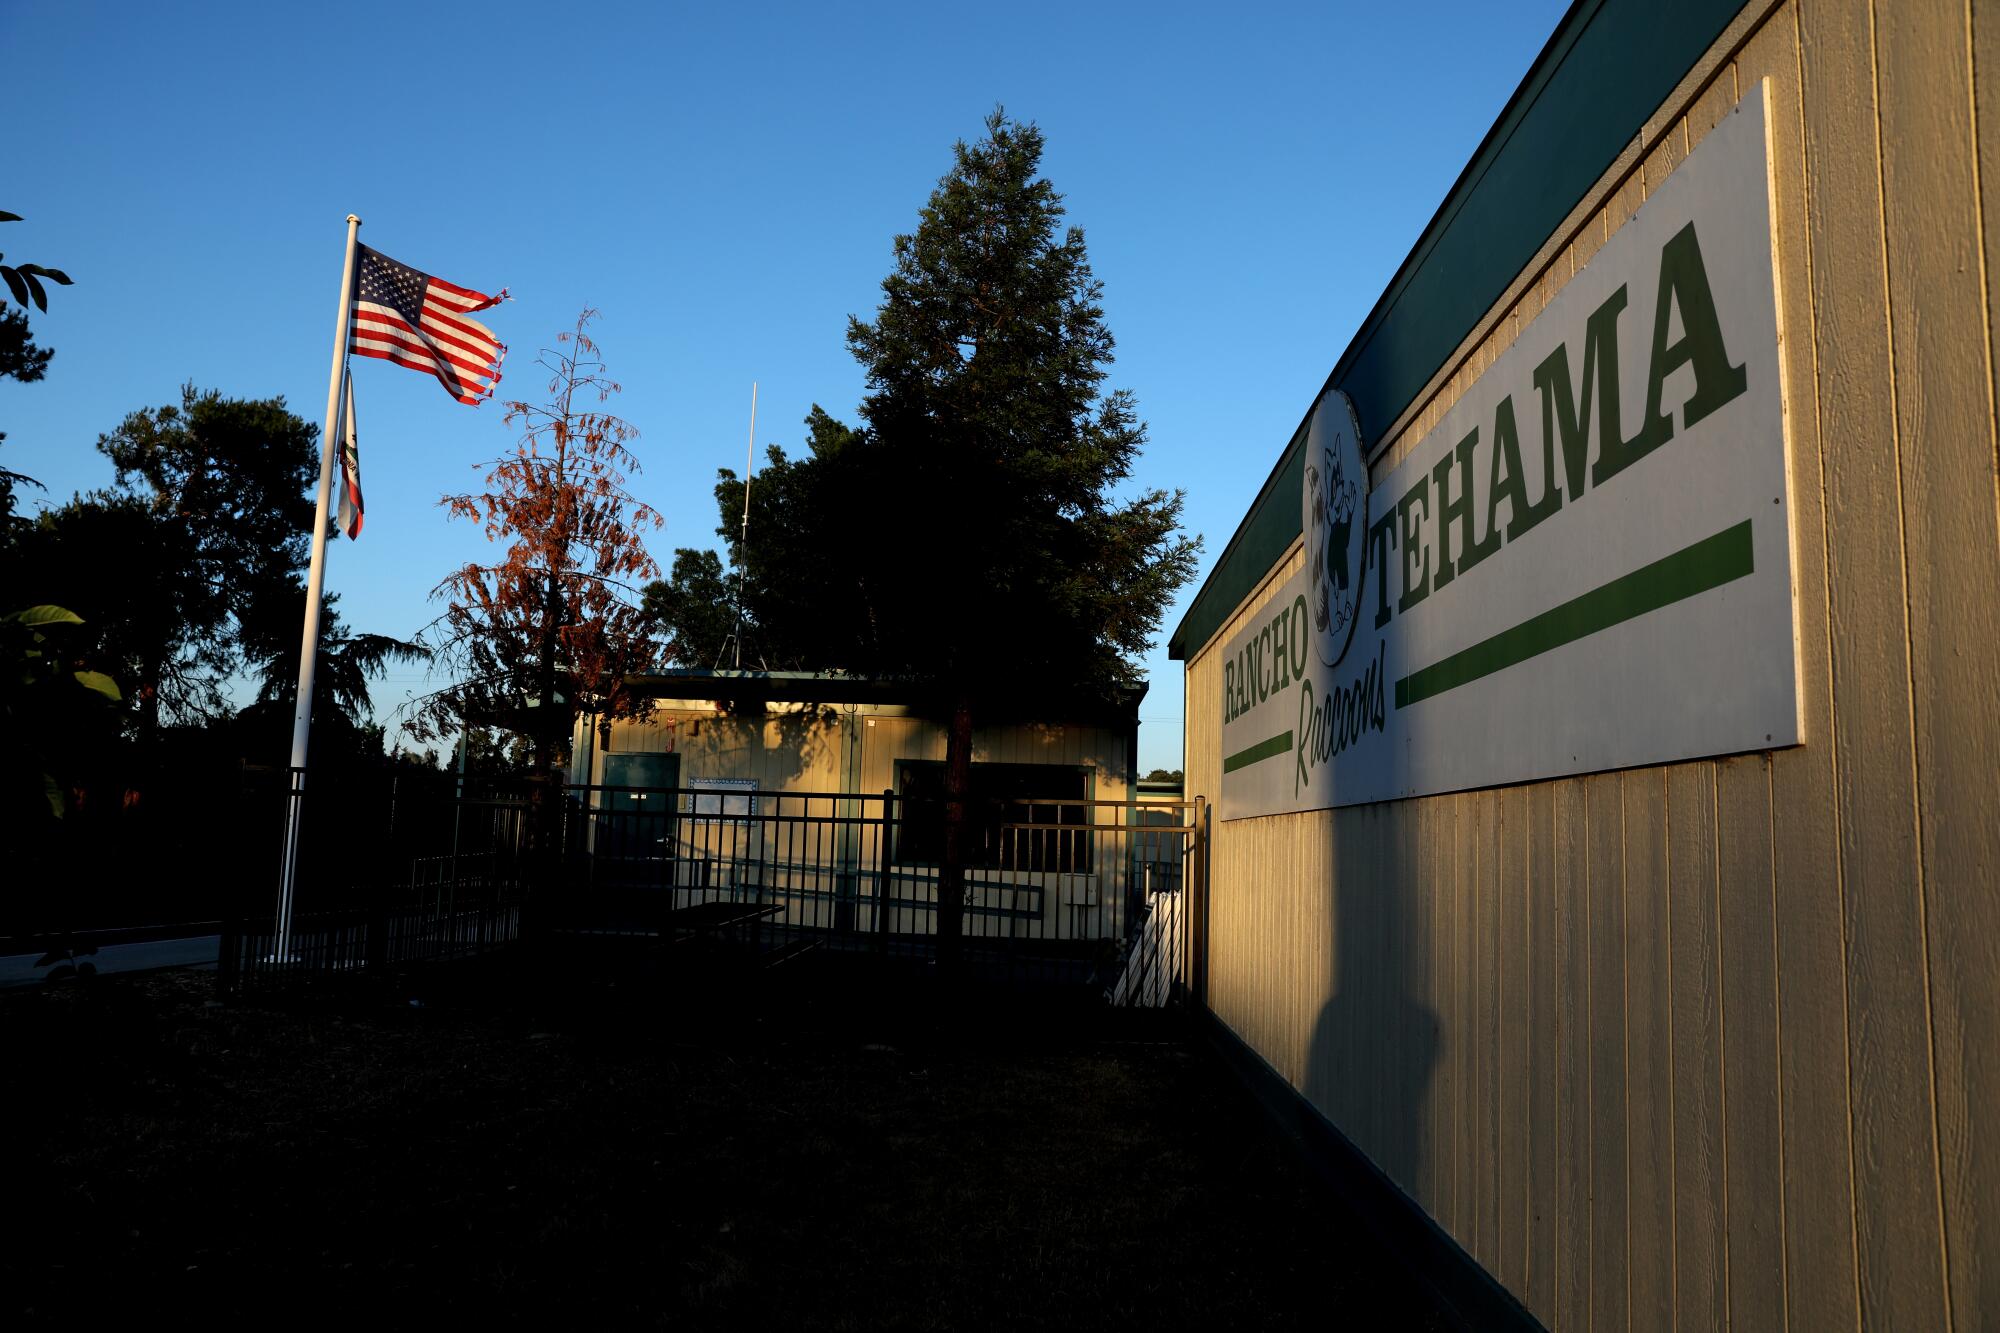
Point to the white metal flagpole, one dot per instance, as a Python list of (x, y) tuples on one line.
[(315, 579)]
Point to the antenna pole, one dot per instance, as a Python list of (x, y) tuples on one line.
[(743, 540)]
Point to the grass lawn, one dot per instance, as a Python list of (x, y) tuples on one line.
[(809, 1147)]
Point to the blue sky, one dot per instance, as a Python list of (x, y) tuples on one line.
[(723, 183)]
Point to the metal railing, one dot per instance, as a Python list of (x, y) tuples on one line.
[(415, 868), (1089, 891), (1066, 887)]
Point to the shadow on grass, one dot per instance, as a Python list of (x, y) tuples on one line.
[(660, 1140)]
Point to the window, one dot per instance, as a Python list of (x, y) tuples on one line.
[(1003, 797)]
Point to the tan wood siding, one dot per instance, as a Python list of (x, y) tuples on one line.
[(1713, 1043)]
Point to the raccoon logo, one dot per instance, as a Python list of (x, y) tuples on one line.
[(1334, 497)]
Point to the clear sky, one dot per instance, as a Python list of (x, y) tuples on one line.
[(723, 182)]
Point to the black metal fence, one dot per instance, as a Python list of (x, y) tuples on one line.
[(411, 868), (1079, 890), (1085, 891)]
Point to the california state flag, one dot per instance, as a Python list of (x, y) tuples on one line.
[(350, 468)]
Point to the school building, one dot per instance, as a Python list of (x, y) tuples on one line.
[(822, 795), (1599, 704)]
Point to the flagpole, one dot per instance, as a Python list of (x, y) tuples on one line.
[(315, 580)]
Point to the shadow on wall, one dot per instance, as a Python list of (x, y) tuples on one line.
[(777, 748), (1375, 1045)]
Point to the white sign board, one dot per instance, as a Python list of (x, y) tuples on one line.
[(1586, 566), (720, 799)]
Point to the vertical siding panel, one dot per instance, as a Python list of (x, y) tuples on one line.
[(1669, 153), (1378, 1053), (1900, 1241), (1986, 105), (1572, 976), (1410, 875), (1752, 1179), (1474, 960), (1812, 993), (1516, 1075), (1572, 885), (1425, 985), (1278, 840), (1324, 900), (1248, 866), (1693, 940), (1460, 872), (1649, 1049), (1237, 944), (1281, 888), (1590, 238), (1544, 1141), (1339, 913), (1393, 1116), (1321, 983), (1422, 1011), (1444, 882), (1312, 849), (1494, 1033), (1311, 901), (1624, 201), (1286, 890), (1944, 429), (1444, 1088), (1559, 1274), (1486, 1016), (1609, 1234), (1318, 900), (1269, 842), (1358, 908), (1398, 1115)]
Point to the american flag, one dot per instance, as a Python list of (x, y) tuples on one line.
[(422, 322)]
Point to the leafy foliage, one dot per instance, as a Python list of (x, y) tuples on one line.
[(124, 567), (41, 694), (978, 535), (980, 529), (25, 280), (20, 359), (556, 622), (215, 493), (347, 662), (188, 571), (696, 606)]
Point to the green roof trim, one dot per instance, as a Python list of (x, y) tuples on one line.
[(1605, 71)]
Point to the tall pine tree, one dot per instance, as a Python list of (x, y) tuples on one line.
[(979, 535)]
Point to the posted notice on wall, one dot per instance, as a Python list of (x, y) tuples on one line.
[(1586, 566)]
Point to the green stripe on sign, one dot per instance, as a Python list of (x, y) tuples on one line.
[(1279, 744), (1709, 563)]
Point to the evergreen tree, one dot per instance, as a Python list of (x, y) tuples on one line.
[(20, 359), (696, 606), (979, 535), (222, 491)]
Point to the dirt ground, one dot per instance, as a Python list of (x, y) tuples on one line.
[(633, 1144)]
